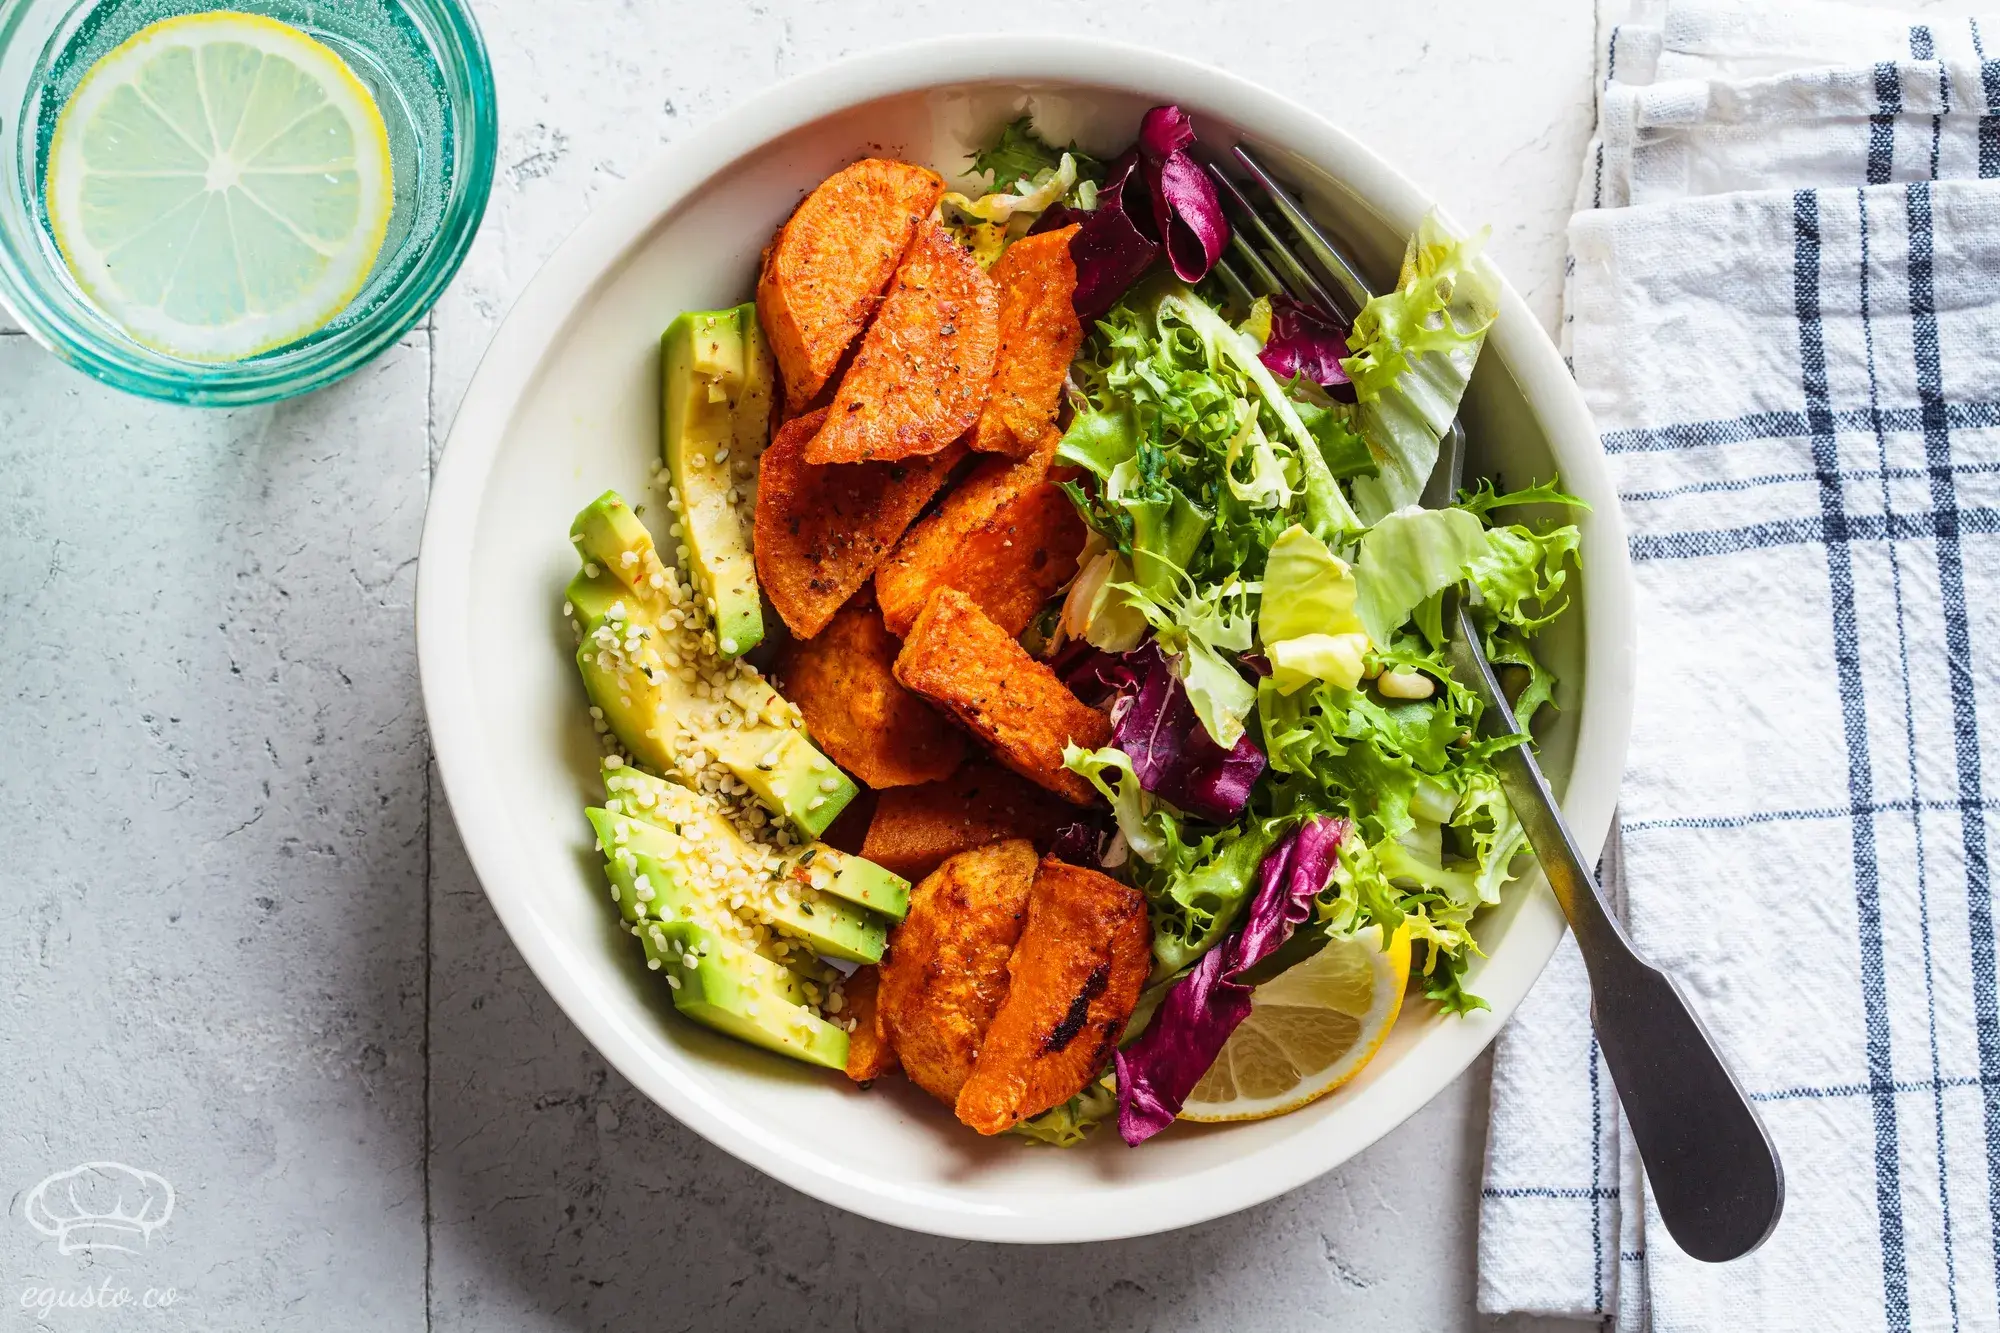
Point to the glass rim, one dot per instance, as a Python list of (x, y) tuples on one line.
[(469, 79)]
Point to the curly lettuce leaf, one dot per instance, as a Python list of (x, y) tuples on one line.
[(1327, 510), (1067, 1125), (1267, 486), (1140, 818), (1331, 424), (1518, 584), (1506, 647), (1435, 841), (1372, 885), (1520, 574), (1197, 905), (1020, 154), (1099, 439), (1027, 197), (1484, 498), (1197, 626), (1414, 350), (1167, 529), (1165, 385), (1490, 832)]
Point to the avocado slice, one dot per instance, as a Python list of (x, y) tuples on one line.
[(659, 898), (607, 532), (716, 377), (752, 415), (729, 987), (635, 672), (640, 795), (830, 927), (851, 878), (720, 991), (637, 794), (667, 944), (648, 894)]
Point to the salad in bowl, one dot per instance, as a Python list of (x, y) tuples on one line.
[(1025, 674)]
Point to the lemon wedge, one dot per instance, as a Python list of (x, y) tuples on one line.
[(220, 185), (1311, 1028)]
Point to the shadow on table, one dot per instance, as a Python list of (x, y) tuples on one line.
[(563, 1198)]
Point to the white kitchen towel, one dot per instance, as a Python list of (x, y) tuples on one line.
[(1895, 121), (1799, 389), (1709, 98)]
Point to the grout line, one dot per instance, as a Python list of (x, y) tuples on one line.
[(430, 842)]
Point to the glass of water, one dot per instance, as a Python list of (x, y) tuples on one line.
[(237, 202)]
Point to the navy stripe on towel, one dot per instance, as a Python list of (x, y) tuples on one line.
[(1910, 760), (1958, 659), (1882, 125), (1989, 121), (1787, 426), (1860, 778), (1806, 531)]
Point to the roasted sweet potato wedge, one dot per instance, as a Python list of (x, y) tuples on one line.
[(821, 531), (974, 670), (920, 377), (1039, 335), (824, 274), (914, 829), (1006, 536), (868, 1053), (946, 971), (843, 680), (1073, 980)]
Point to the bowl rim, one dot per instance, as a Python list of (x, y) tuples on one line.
[(540, 318)]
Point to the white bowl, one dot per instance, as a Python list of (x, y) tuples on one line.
[(565, 405)]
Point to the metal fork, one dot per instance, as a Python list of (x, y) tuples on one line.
[(1714, 1172)]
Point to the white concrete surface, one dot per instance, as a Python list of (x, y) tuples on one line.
[(242, 948)]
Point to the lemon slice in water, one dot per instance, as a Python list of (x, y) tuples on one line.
[(220, 185), (1310, 1029)]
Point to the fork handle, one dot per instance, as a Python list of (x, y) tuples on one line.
[(1714, 1172)]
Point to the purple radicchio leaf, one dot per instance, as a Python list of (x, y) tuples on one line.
[(1081, 843), (1055, 217), (1172, 754), (1158, 1071), (1187, 211), (1092, 674), (1305, 342), (1109, 249), (1164, 131)]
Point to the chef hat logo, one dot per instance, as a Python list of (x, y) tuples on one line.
[(100, 1206)]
